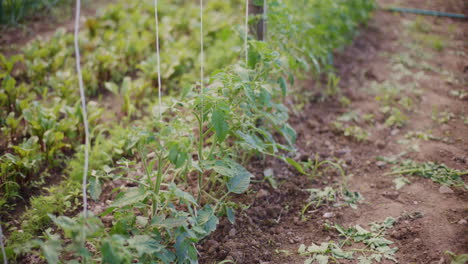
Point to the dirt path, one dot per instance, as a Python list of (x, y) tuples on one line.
[(417, 65)]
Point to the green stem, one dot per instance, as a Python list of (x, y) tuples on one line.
[(200, 155), (402, 172), (220, 200), (365, 250), (157, 186)]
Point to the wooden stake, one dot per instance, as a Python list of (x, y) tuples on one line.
[(259, 29)]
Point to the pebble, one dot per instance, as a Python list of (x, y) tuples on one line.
[(417, 240), (445, 190), (342, 152), (380, 144), (391, 195), (462, 222), (380, 164), (232, 232), (395, 132), (328, 215), (262, 193)]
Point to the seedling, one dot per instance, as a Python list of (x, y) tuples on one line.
[(376, 247), (439, 173)]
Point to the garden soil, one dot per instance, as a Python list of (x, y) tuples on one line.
[(430, 219)]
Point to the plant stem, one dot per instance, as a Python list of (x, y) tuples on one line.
[(200, 157), (157, 186), (403, 172)]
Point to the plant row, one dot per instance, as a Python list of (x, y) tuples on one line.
[(175, 174)]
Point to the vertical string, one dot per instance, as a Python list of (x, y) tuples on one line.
[(83, 106), (246, 47), (202, 108), (5, 261), (158, 58), (202, 51), (265, 19)]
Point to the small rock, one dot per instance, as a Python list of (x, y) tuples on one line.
[(328, 215), (445, 190), (262, 193), (391, 195), (395, 132), (445, 127), (342, 152), (380, 144), (232, 232), (324, 155), (415, 202), (462, 222), (380, 164), (417, 240)]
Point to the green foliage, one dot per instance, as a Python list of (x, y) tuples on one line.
[(439, 173), (331, 196), (15, 11), (376, 247), (156, 216)]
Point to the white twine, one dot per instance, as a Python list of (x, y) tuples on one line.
[(5, 261), (158, 57), (246, 47), (202, 61), (265, 19), (83, 106)]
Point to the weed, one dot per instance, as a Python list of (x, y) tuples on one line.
[(329, 195), (442, 117), (460, 94), (394, 116), (439, 173), (353, 131), (376, 246)]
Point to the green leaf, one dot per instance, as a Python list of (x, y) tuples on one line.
[(230, 215), (322, 259), (239, 184), (95, 188), (458, 259), (339, 253), (296, 165), (283, 85), (318, 249), (221, 127), (144, 245), (110, 255), (400, 182), (131, 196), (52, 249), (182, 195)]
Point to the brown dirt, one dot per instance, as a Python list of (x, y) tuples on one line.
[(271, 226)]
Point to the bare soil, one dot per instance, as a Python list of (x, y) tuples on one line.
[(430, 222)]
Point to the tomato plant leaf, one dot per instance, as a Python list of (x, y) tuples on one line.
[(221, 127)]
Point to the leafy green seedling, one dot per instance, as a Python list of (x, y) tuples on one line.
[(439, 173)]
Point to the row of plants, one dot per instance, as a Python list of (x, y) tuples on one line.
[(13, 12), (40, 112), (176, 174)]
